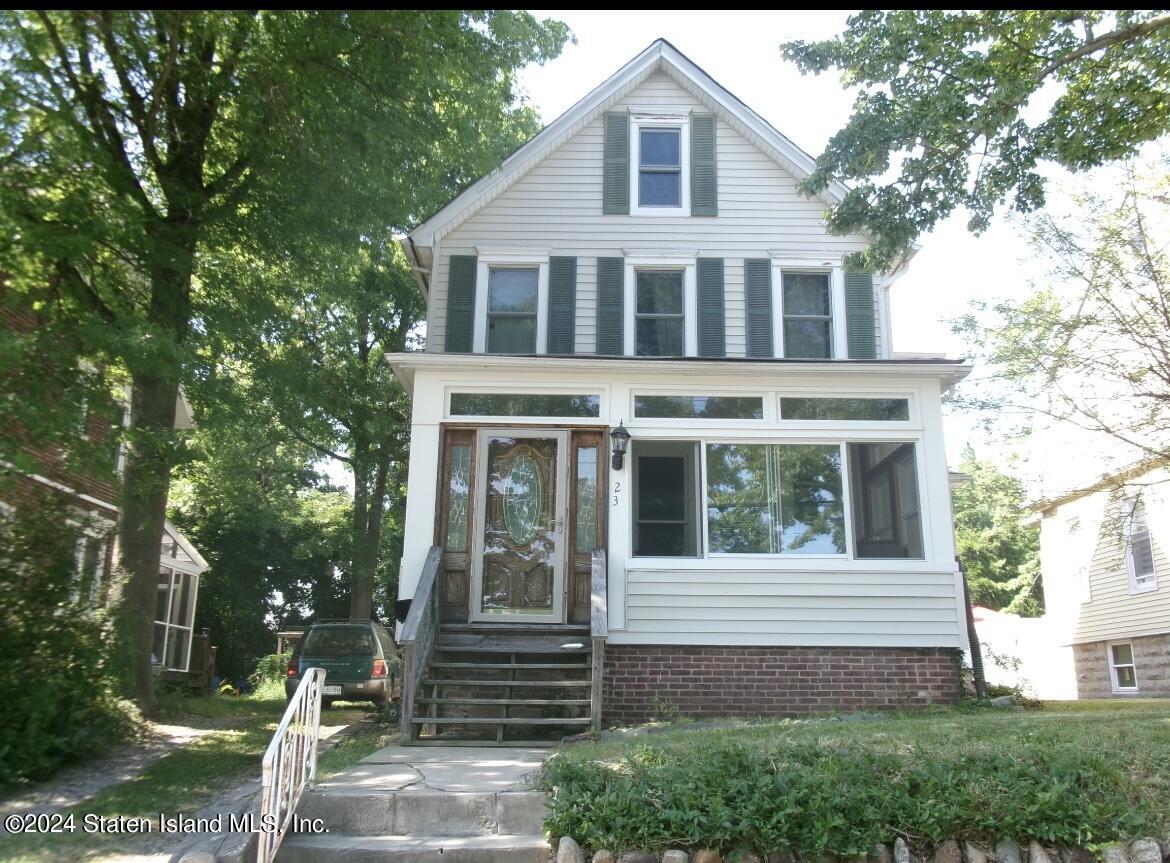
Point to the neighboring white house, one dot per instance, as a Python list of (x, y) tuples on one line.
[(1106, 575), (778, 537)]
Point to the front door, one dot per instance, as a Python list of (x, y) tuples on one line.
[(518, 572)]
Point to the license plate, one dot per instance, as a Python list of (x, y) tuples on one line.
[(331, 690)]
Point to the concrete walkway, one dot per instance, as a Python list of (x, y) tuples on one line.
[(422, 803)]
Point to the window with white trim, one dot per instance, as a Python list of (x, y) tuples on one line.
[(660, 164), (512, 310), (659, 313), (1139, 550), (1122, 669), (807, 302)]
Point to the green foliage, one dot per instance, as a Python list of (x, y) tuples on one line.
[(56, 683), (274, 534), (143, 153), (1088, 348), (272, 667), (1000, 554), (944, 116), (809, 798)]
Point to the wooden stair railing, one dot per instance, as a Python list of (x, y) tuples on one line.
[(418, 637), (598, 631)]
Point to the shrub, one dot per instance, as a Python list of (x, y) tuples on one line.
[(814, 798), (57, 702), (272, 667)]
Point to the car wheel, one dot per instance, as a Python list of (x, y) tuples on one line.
[(326, 703), (381, 701)]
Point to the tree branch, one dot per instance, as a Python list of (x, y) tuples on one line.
[(1127, 34)]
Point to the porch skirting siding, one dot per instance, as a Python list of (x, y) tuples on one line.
[(1151, 659), (644, 681)]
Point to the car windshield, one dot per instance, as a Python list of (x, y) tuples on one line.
[(339, 641)]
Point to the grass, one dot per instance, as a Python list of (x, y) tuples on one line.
[(1068, 773), (185, 780)]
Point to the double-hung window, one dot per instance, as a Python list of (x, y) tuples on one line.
[(659, 317), (1139, 550), (1122, 668), (808, 315), (512, 310), (659, 167)]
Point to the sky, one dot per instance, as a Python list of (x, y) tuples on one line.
[(741, 51)]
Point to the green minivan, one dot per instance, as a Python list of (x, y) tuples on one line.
[(359, 657)]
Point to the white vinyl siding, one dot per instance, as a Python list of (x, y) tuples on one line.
[(1108, 609), (734, 606), (557, 207)]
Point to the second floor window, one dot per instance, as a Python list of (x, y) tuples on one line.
[(511, 312), (1139, 552), (660, 167), (658, 313), (808, 316)]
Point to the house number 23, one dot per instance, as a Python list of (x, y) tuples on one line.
[(617, 489)]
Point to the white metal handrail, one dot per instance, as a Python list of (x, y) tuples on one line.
[(290, 763)]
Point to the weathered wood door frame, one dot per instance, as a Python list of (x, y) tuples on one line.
[(455, 590)]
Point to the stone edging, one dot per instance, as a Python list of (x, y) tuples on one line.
[(1145, 850)]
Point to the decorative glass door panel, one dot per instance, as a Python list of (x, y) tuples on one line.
[(521, 529)]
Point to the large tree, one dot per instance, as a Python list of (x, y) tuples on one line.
[(959, 109), (322, 371), (139, 146), (999, 552), (1090, 347)]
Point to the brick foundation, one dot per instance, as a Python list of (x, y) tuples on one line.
[(642, 681), (1151, 659)]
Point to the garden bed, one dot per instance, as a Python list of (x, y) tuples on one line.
[(1076, 775)]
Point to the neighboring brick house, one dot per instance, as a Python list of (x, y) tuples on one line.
[(778, 537), (92, 497), (1105, 564)]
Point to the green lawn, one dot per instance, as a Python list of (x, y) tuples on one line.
[(183, 781), (1068, 773)]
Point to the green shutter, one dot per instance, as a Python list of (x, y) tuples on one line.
[(615, 183), (610, 306), (859, 316), (712, 333), (460, 304), (562, 304), (757, 278), (704, 192)]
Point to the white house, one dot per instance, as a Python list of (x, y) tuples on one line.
[(776, 539), (1106, 575)]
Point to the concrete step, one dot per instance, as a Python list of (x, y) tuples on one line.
[(303, 848), (426, 813)]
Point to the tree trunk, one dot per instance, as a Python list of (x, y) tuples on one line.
[(140, 530), (369, 503), (146, 482)]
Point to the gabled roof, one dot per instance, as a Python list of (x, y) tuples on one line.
[(660, 56)]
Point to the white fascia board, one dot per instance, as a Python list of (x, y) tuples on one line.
[(185, 544), (659, 55), (405, 365)]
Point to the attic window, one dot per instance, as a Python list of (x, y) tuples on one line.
[(659, 156)]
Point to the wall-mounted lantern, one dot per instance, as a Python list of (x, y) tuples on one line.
[(621, 442)]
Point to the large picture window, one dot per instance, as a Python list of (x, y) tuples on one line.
[(511, 312), (887, 519), (658, 313), (774, 499)]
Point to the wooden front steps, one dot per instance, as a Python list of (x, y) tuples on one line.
[(500, 684)]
